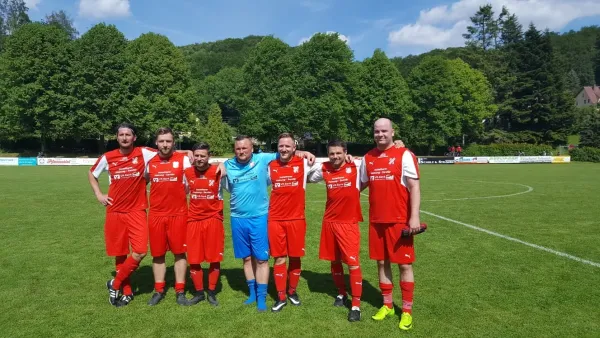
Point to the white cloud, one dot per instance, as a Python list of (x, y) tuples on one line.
[(443, 26), (342, 37), (100, 9), (32, 4)]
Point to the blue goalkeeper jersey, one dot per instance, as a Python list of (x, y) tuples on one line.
[(247, 183)]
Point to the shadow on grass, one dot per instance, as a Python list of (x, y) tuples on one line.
[(323, 283)]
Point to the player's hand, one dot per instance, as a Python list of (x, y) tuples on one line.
[(104, 200), (349, 158), (415, 225), (399, 144), (221, 169)]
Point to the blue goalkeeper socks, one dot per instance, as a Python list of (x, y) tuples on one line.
[(261, 297), (252, 287)]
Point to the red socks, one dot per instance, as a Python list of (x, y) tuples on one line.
[(213, 275), (125, 270), (355, 285), (280, 276), (179, 287), (386, 292), (159, 287), (337, 272), (126, 284), (197, 276), (294, 274), (408, 289)]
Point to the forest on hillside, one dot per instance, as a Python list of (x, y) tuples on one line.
[(509, 84)]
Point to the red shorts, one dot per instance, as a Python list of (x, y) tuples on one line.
[(205, 241), (287, 238), (124, 228), (167, 233), (386, 243), (340, 241)]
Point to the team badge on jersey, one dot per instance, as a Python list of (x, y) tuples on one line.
[(348, 170), (175, 164), (296, 169), (251, 164), (392, 160), (211, 183), (135, 160)]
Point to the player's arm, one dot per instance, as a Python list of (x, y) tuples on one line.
[(188, 153), (414, 188), (364, 178), (410, 170), (315, 174), (93, 175), (307, 155), (399, 144)]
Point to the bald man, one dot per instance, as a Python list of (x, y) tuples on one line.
[(392, 175)]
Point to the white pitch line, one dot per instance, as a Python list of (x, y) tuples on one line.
[(512, 239), (535, 246)]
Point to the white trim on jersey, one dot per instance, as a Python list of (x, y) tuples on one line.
[(409, 169), (148, 154), (306, 170), (100, 166), (362, 173), (315, 174)]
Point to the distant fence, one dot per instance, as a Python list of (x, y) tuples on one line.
[(64, 161)]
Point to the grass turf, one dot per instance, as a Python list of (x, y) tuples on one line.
[(468, 283)]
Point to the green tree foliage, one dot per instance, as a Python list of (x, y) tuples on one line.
[(483, 33), (226, 88), (448, 111), (269, 88), (542, 105), (597, 61), (35, 64), (13, 14), (97, 81), (589, 127), (323, 68), (576, 50), (380, 90), (63, 20), (157, 79), (215, 132), (210, 57)]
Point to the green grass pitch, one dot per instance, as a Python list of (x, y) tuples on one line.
[(468, 283)]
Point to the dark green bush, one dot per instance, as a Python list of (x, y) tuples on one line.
[(508, 149), (585, 154)]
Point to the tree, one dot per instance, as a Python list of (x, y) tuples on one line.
[(63, 20), (269, 88), (35, 66), (483, 32), (542, 107), (380, 91), (322, 68), (597, 62), (13, 14), (97, 82), (452, 100), (226, 88), (157, 79), (215, 132)]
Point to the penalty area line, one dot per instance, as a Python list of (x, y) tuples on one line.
[(516, 240)]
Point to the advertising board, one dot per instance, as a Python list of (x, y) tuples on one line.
[(27, 161), (9, 161), (436, 160)]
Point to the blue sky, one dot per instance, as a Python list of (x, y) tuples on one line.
[(398, 27)]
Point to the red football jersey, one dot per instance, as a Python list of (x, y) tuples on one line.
[(127, 185), (343, 191), (167, 189), (288, 189), (206, 194), (387, 173)]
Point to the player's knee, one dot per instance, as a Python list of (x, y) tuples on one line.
[(138, 256), (353, 267), (261, 262), (381, 263), (248, 260), (179, 257), (280, 260), (405, 267)]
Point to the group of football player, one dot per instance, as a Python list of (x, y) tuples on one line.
[(262, 226)]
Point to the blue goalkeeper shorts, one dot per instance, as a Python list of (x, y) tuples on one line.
[(250, 238)]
